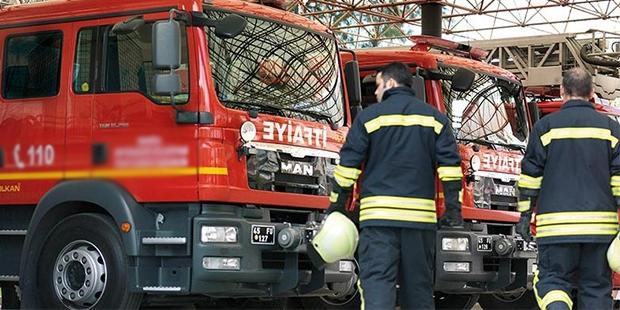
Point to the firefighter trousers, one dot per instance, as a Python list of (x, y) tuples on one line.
[(567, 266), (388, 255)]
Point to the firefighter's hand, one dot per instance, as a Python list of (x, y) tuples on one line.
[(451, 218), (338, 200), (523, 227)]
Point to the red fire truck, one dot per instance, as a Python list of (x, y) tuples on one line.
[(174, 148), (550, 105), (490, 118)]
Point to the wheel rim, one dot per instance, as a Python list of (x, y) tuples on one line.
[(80, 275)]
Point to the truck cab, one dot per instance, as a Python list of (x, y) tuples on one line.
[(490, 121), (173, 148)]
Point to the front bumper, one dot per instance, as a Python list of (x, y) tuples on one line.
[(498, 260), (264, 269)]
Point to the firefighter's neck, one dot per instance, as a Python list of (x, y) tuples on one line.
[(568, 98)]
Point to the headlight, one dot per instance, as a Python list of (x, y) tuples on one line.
[(455, 244), (474, 162), (346, 266), (221, 263), (456, 266), (248, 131), (226, 234)]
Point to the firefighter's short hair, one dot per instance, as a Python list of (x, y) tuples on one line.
[(397, 71), (577, 82)]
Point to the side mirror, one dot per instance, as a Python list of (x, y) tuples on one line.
[(166, 45), (419, 87), (167, 56), (128, 26), (462, 80), (227, 27), (354, 86), (532, 107), (230, 26)]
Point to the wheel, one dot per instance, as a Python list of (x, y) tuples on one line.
[(9, 297), (517, 300), (455, 301), (83, 265)]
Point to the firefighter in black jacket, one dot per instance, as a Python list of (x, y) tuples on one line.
[(399, 143), (571, 179)]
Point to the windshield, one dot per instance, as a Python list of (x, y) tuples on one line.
[(278, 69), (492, 110)]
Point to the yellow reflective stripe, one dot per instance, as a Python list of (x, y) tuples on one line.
[(615, 190), (403, 120), (527, 181), (359, 286), (114, 173), (398, 202), (452, 173), (343, 182), (538, 299), (576, 230), (576, 217), (333, 197), (347, 172), (398, 215), (615, 180), (578, 133), (554, 296), (523, 205)]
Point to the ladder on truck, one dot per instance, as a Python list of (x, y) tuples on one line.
[(540, 61)]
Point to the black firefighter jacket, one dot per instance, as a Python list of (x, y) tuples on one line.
[(401, 142), (572, 166)]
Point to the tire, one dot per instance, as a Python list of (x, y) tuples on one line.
[(523, 300), (83, 265), (9, 296), (455, 301)]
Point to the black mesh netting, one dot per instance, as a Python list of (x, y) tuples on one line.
[(276, 65), (488, 110)]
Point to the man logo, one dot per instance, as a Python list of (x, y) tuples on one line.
[(293, 167)]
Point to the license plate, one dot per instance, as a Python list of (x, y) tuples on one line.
[(484, 244), (263, 234), (505, 190)]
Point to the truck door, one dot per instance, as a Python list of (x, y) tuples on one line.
[(35, 62), (135, 137)]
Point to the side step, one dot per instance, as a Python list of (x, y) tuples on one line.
[(13, 232), (9, 277), (164, 240), (160, 289)]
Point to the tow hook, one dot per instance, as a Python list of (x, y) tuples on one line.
[(504, 246)]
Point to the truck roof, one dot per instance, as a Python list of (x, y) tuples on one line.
[(23, 14), (549, 106), (427, 60)]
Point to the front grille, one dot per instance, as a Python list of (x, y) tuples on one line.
[(281, 172), (495, 194)]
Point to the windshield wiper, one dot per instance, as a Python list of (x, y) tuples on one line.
[(277, 109), (490, 143)]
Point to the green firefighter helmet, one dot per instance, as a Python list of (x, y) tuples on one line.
[(336, 239), (613, 254)]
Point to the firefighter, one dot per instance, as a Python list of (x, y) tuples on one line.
[(399, 143), (571, 179)]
